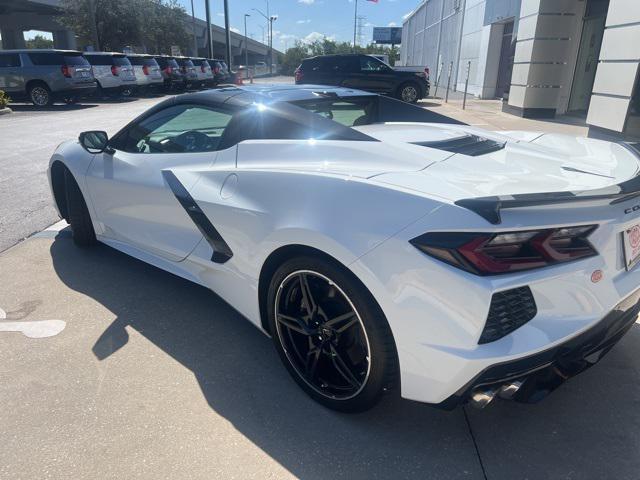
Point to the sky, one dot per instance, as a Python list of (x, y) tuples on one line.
[(306, 20)]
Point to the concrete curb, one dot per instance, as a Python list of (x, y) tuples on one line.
[(5, 111)]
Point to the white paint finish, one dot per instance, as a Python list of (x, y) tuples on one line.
[(608, 112), (623, 11), (35, 329), (615, 78), (523, 168), (322, 194), (134, 204), (621, 43)]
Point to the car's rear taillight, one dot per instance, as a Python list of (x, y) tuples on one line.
[(299, 74), (66, 71), (427, 72), (203, 69), (506, 252), (115, 70), (145, 69), (216, 70), (169, 70)]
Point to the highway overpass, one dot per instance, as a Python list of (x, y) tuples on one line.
[(19, 16)]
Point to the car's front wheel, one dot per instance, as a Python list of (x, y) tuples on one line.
[(331, 334), (408, 92), (78, 213)]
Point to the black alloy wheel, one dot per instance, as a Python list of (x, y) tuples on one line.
[(334, 342)]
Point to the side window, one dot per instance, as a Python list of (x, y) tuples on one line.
[(348, 64), (177, 129), (48, 58), (370, 64), (10, 60)]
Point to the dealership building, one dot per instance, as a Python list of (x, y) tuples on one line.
[(542, 57)]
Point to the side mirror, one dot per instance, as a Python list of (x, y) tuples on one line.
[(94, 141)]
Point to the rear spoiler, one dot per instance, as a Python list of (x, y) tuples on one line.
[(489, 208)]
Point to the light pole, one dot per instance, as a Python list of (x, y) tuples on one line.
[(355, 24), (272, 19), (193, 28), (227, 32), (209, 42), (269, 22), (246, 44), (94, 27)]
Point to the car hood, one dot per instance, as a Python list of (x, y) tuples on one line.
[(528, 163)]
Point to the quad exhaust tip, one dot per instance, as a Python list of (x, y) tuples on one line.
[(483, 396)]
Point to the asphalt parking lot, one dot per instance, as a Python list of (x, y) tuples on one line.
[(28, 138), (112, 368), (154, 377)]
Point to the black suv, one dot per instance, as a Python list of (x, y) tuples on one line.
[(363, 72)]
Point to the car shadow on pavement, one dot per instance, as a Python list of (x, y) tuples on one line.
[(588, 429), (53, 108), (242, 379)]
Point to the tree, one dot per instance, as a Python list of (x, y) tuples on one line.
[(39, 41), (154, 25)]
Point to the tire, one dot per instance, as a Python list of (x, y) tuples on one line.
[(351, 358), (408, 92), (40, 95), (78, 214)]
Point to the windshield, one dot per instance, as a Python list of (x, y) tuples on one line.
[(349, 112)]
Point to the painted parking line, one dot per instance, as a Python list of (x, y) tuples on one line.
[(53, 231), (32, 329)]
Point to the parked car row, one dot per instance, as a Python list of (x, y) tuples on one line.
[(45, 76)]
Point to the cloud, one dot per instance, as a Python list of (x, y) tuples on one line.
[(235, 30), (315, 36), (307, 2), (303, 21), (220, 14), (407, 15), (392, 24)]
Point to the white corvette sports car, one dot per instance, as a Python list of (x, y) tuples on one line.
[(377, 248)]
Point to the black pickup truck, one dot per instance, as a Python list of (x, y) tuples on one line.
[(363, 72)]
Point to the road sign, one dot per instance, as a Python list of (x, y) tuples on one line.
[(387, 35)]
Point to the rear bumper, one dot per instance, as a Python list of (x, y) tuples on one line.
[(76, 91), (543, 372)]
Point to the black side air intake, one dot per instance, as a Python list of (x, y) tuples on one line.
[(471, 145), (221, 251), (509, 310)]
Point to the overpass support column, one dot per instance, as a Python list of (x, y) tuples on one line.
[(12, 38), (64, 39)]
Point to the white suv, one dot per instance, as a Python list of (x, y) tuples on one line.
[(113, 72)]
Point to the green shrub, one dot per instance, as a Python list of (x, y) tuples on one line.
[(4, 99)]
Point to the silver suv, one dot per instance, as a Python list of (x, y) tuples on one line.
[(147, 70), (113, 72), (44, 76)]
